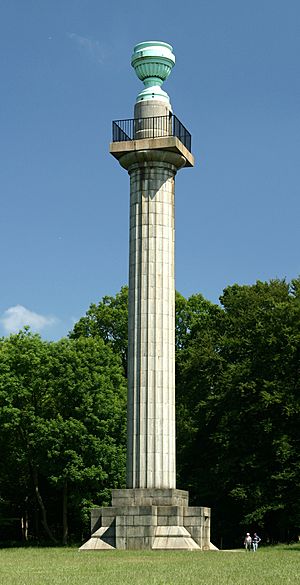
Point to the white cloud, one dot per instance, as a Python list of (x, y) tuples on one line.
[(93, 49), (15, 318)]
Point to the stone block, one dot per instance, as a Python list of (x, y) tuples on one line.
[(145, 520), (108, 512), (139, 543), (193, 521), (140, 531), (162, 520), (170, 510), (194, 511), (121, 511), (125, 520), (121, 530), (122, 502), (147, 510), (95, 519), (119, 493), (121, 543)]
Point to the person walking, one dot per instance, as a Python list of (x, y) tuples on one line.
[(247, 541), (255, 540)]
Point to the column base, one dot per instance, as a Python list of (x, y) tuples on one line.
[(149, 519)]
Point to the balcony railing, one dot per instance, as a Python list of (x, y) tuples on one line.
[(154, 127)]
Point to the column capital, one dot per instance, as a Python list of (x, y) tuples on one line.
[(152, 158), (166, 146)]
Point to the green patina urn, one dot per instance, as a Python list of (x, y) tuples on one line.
[(153, 62)]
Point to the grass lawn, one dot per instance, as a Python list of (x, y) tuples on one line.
[(58, 566)]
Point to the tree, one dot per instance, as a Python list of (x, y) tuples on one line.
[(240, 378), (62, 415), (262, 349), (25, 398), (86, 451), (109, 321), (197, 369)]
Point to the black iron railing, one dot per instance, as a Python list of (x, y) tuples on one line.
[(154, 127)]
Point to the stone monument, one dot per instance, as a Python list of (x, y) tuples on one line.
[(151, 513)]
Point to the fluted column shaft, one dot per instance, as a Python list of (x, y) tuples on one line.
[(151, 359)]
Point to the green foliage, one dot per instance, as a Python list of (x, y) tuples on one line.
[(239, 379), (63, 428), (62, 416), (109, 321)]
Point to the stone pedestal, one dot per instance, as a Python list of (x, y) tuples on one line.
[(149, 519)]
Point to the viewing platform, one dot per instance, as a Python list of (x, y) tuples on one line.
[(151, 133)]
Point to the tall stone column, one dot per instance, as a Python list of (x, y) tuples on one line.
[(151, 333), (151, 513)]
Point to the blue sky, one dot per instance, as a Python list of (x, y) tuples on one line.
[(66, 74)]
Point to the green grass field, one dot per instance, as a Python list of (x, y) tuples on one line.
[(59, 566)]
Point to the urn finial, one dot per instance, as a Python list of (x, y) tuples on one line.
[(153, 62)]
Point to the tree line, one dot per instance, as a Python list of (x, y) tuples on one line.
[(63, 416)]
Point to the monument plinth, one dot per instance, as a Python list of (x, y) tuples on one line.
[(151, 513)]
